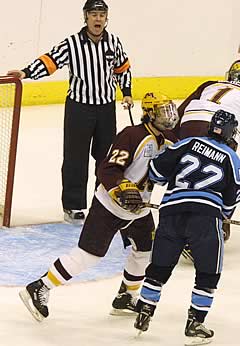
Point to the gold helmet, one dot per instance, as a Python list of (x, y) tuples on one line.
[(233, 75), (160, 111)]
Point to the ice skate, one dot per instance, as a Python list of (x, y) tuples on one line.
[(124, 305), (75, 217), (144, 317), (196, 333), (35, 298)]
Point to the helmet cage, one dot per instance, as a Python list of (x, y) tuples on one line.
[(233, 75), (165, 115), (160, 111)]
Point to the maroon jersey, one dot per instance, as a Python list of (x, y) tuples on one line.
[(128, 158), (197, 110)]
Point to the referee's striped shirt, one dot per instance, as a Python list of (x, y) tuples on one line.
[(94, 68)]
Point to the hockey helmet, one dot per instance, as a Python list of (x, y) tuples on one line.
[(95, 5), (223, 125), (233, 75), (160, 111)]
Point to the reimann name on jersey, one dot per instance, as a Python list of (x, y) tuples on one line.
[(208, 152)]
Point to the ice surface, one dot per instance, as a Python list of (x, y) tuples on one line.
[(79, 312)]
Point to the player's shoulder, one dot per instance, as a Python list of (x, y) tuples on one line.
[(221, 146), (132, 130), (182, 142), (217, 83), (135, 135), (139, 129), (226, 83), (205, 85)]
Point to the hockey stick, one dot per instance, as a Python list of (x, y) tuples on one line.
[(233, 222), (151, 205), (156, 206), (130, 114), (128, 106)]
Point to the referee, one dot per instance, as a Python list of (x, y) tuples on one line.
[(96, 62)]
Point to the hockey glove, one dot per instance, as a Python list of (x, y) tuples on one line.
[(129, 196), (226, 231)]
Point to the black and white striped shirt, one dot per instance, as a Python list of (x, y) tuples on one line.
[(94, 68)]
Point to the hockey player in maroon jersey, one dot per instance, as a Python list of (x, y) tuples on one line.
[(118, 205), (197, 110)]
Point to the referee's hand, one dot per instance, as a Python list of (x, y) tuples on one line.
[(127, 102), (16, 73)]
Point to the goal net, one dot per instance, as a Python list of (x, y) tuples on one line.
[(10, 104)]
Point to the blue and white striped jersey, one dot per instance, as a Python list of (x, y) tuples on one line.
[(203, 176)]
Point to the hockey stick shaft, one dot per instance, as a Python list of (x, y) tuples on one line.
[(130, 114), (156, 206), (232, 222), (151, 205)]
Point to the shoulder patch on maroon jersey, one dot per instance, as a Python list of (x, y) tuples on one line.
[(149, 150)]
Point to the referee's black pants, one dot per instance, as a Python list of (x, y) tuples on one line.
[(82, 124)]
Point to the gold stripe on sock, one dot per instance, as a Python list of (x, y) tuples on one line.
[(133, 288), (53, 279)]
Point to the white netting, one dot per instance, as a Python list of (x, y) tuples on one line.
[(7, 94)]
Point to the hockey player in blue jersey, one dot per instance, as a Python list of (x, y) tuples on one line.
[(197, 109), (203, 188)]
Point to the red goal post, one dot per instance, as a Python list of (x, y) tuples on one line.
[(10, 106)]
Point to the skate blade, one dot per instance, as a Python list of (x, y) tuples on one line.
[(122, 312), (139, 333), (195, 341), (74, 222), (26, 298)]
